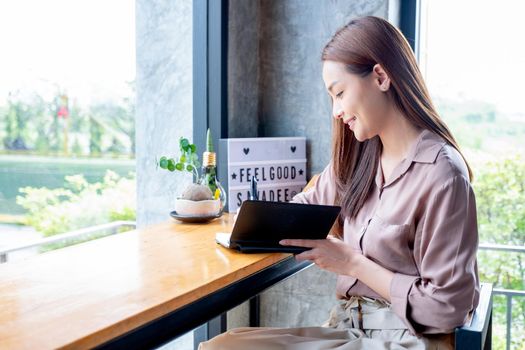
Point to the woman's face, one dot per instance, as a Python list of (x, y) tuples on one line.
[(360, 102)]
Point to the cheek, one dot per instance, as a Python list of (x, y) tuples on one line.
[(352, 104), (379, 108), (355, 100), (373, 105)]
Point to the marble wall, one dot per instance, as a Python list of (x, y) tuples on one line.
[(243, 68), (164, 101)]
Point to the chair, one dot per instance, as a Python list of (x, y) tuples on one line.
[(477, 333)]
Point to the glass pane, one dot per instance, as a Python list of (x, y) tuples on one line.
[(67, 106), (472, 57), (472, 54)]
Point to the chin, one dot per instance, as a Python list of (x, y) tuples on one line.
[(360, 137)]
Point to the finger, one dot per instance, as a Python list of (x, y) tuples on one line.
[(306, 243), (307, 255), (333, 239)]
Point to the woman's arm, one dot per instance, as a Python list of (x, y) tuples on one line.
[(374, 276), (322, 192), (447, 287), (336, 256)]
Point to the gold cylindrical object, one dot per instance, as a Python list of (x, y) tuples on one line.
[(209, 159)]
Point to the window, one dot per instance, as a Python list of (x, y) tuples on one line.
[(67, 134), (472, 56)]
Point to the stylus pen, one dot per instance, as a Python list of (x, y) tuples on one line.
[(253, 189)]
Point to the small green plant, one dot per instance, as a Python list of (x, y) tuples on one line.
[(187, 161), (204, 187)]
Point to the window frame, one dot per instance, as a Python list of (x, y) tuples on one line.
[(210, 55), (409, 23)]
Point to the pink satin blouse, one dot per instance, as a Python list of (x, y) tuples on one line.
[(421, 224)]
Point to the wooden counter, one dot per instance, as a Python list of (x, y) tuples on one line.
[(86, 295)]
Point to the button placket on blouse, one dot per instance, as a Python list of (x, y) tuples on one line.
[(367, 223), (363, 230)]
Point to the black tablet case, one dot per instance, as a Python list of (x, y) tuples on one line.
[(260, 225)]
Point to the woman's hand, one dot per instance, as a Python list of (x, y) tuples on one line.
[(336, 256), (330, 254)]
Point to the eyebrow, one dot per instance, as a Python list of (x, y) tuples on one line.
[(332, 85)]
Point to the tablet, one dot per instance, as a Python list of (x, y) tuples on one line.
[(260, 225)]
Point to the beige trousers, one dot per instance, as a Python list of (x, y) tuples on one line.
[(357, 323)]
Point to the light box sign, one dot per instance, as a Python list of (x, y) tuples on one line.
[(278, 163)]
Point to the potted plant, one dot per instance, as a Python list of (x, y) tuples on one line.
[(205, 197)]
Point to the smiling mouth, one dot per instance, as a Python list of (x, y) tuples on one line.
[(351, 120)]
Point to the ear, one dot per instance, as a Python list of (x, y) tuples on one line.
[(381, 79)]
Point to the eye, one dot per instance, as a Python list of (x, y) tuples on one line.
[(339, 95)]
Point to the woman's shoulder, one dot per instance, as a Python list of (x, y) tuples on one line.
[(450, 163), (441, 161), (448, 169)]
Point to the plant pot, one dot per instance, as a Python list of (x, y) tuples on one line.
[(207, 207)]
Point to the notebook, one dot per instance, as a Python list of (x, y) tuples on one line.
[(260, 226)]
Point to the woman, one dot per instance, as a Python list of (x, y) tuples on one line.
[(406, 259)]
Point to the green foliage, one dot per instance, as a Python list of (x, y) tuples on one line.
[(95, 136), (500, 197), (29, 123), (117, 125), (485, 133), (209, 142), (116, 147), (187, 161), (209, 178), (478, 125), (79, 204), (77, 148), (500, 194), (22, 120)]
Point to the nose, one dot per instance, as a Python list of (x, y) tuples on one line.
[(337, 112)]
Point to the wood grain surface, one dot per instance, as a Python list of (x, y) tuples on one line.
[(82, 296)]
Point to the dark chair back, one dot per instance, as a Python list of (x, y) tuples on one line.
[(477, 333)]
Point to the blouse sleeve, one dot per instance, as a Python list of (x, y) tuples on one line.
[(322, 192), (446, 244)]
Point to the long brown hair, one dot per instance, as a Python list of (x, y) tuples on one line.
[(360, 45)]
